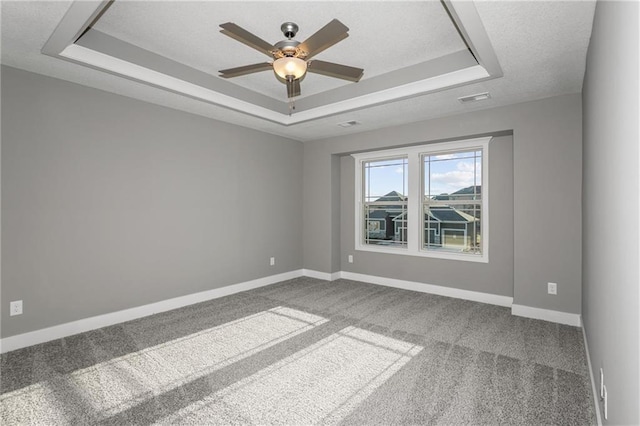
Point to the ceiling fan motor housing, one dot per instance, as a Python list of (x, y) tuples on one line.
[(287, 48)]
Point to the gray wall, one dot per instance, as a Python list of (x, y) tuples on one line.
[(111, 203), (547, 182), (494, 277), (610, 247)]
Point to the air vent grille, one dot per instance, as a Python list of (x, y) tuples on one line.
[(349, 123), (474, 98)]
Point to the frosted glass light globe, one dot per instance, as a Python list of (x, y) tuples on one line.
[(290, 66)]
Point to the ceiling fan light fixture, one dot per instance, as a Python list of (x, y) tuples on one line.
[(290, 56), (290, 66)]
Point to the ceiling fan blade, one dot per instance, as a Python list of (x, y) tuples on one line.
[(293, 88), (247, 69), (331, 69), (325, 37), (243, 36)]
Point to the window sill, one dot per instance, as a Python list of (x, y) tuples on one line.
[(460, 257)]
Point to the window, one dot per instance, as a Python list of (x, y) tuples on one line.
[(452, 201), (385, 180), (429, 200)]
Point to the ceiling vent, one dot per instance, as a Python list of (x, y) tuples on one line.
[(474, 98), (349, 123)]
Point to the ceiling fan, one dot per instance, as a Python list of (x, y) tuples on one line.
[(291, 59)]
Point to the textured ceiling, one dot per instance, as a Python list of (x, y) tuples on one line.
[(541, 47), (380, 38)]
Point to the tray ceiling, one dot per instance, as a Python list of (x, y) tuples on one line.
[(380, 39), (416, 62)]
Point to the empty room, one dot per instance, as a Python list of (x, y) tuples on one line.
[(307, 212)]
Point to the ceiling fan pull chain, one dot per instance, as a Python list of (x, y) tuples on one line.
[(292, 106)]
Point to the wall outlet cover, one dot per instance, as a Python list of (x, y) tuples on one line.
[(552, 288), (15, 308)]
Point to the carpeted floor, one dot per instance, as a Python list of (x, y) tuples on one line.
[(308, 351)]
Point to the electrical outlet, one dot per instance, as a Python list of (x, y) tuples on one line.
[(350, 258), (15, 308), (552, 288), (272, 261)]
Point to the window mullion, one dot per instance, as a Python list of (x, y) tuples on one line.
[(413, 208), (359, 204)]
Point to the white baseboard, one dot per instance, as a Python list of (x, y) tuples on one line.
[(596, 401), (546, 315), (336, 275), (327, 276), (68, 329), (318, 275), (475, 296)]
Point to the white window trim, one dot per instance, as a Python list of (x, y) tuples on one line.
[(414, 205)]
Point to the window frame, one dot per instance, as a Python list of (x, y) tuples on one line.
[(415, 195), (363, 222)]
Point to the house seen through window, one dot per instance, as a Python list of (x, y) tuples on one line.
[(385, 184), (448, 220)]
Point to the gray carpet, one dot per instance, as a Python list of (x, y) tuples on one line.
[(307, 351)]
